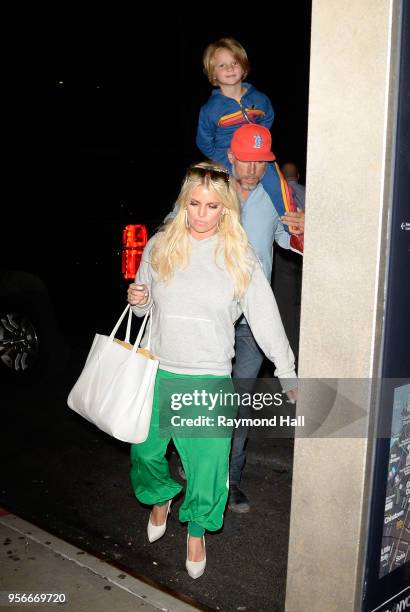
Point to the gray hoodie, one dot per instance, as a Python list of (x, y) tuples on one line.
[(194, 314)]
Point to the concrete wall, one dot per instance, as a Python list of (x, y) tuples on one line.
[(351, 115)]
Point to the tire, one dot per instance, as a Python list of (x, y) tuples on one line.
[(31, 346)]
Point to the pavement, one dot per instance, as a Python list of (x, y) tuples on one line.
[(63, 475), (38, 563)]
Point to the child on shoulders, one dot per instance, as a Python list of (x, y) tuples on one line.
[(234, 103)]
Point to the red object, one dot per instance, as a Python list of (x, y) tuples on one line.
[(252, 142), (297, 243), (287, 192), (134, 239)]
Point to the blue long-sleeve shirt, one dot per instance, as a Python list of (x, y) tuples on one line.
[(263, 227), (221, 116)]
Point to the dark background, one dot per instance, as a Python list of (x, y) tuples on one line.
[(105, 147), (103, 116), (121, 127)]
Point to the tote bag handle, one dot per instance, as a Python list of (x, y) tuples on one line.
[(141, 330)]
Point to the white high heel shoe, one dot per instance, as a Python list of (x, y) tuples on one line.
[(155, 532), (195, 568)]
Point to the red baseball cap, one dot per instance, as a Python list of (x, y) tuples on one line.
[(252, 142)]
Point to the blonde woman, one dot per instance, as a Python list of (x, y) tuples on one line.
[(199, 274)]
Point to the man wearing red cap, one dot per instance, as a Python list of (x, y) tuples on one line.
[(249, 153)]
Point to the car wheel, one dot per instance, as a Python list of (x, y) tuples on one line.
[(19, 350), (31, 346)]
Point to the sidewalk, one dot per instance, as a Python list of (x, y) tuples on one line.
[(33, 561)]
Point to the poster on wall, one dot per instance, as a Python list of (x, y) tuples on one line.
[(395, 550), (386, 586)]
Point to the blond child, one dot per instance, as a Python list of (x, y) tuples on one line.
[(233, 103)]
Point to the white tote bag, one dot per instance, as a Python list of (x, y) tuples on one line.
[(116, 387)]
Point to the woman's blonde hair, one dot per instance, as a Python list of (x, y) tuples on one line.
[(172, 248), (230, 44)]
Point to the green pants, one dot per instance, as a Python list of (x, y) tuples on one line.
[(205, 461)]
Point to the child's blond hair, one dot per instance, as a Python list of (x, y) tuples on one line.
[(230, 44)]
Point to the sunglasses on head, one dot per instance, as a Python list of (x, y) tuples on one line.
[(214, 173)]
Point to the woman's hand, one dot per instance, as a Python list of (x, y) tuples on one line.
[(292, 395), (137, 295)]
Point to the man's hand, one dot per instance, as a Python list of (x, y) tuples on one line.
[(295, 221)]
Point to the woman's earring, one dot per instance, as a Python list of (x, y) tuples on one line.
[(186, 219)]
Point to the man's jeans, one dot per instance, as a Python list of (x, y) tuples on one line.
[(248, 361)]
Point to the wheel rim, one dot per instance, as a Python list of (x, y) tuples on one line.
[(18, 342)]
